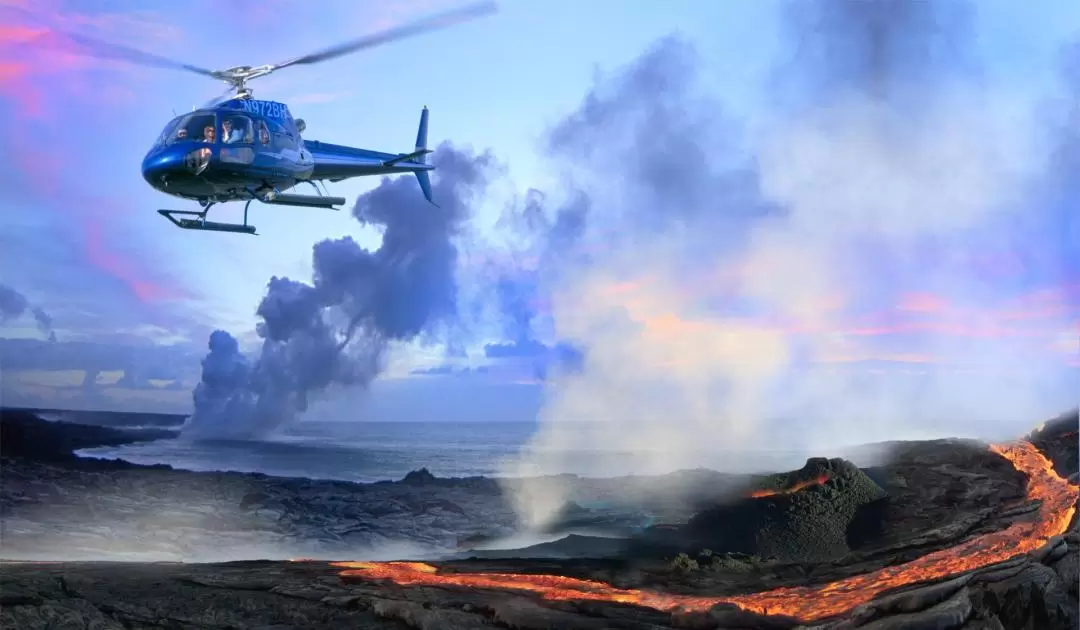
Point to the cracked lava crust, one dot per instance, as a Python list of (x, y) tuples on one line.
[(808, 603)]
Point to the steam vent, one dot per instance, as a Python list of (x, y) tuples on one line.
[(946, 534), (963, 535)]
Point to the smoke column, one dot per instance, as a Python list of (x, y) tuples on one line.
[(14, 305), (723, 283), (335, 330)]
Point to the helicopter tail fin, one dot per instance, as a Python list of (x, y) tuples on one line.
[(421, 147), (425, 185), (421, 134)]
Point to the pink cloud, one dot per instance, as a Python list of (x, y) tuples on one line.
[(41, 76)]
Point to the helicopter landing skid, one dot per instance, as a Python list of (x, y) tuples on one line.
[(202, 224)]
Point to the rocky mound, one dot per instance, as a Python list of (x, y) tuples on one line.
[(814, 514), (1059, 439)]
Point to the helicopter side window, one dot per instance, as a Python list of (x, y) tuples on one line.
[(281, 138), (236, 130), (197, 127)]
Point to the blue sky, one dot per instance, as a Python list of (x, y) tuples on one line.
[(82, 241)]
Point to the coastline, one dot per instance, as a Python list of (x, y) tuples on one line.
[(57, 505), (943, 494)]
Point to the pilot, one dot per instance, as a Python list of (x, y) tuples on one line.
[(208, 133)]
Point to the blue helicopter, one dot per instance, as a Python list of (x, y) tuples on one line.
[(237, 148)]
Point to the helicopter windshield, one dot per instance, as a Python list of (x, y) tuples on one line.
[(198, 127), (165, 133)]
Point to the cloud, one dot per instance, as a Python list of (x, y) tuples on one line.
[(336, 330), (111, 296), (14, 305), (45, 82), (819, 284), (125, 374)]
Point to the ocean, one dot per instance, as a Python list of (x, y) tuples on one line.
[(380, 451), (348, 451)]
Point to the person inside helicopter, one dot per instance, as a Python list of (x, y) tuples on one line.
[(208, 133), (236, 130)]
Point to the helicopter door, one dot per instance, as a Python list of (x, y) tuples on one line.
[(237, 135), (283, 142), (236, 130), (264, 134)]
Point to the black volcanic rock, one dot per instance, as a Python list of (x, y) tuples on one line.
[(420, 477), (940, 493), (1059, 438), (811, 516), (23, 434)]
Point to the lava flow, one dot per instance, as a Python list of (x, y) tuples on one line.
[(801, 485), (807, 603)]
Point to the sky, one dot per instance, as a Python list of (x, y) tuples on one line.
[(742, 214)]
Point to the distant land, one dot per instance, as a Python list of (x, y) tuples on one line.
[(103, 418)]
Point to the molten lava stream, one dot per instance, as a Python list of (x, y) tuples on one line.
[(807, 603), (801, 485)]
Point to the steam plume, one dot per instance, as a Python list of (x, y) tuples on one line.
[(14, 305), (723, 282), (335, 330)]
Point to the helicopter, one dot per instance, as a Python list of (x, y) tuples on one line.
[(238, 148)]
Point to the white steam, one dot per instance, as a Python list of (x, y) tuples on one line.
[(678, 385)]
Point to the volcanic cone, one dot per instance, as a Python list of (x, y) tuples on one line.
[(803, 516)]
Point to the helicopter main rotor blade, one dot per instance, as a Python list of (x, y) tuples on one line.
[(422, 25), (106, 50), (93, 47), (217, 100)]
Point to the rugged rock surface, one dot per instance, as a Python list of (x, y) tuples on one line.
[(1036, 592), (804, 516), (50, 500), (940, 494)]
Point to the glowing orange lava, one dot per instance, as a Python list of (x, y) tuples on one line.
[(801, 485), (807, 603)]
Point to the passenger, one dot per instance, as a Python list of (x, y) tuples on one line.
[(264, 133), (208, 133), (227, 132), (181, 134)]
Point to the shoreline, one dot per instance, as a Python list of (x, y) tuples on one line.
[(52, 499), (24, 434), (945, 497)]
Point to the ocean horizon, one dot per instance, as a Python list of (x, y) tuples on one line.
[(373, 451)]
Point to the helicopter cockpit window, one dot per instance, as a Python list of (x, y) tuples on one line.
[(167, 132), (197, 127), (236, 130)]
